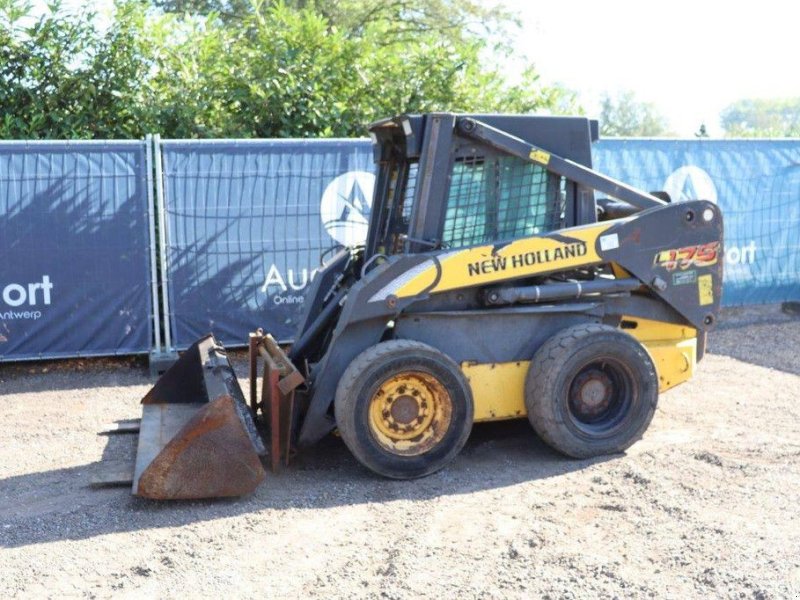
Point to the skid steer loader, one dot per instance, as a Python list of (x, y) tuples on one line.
[(501, 278)]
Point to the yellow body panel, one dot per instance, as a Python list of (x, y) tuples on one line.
[(673, 349), (574, 247), (498, 389)]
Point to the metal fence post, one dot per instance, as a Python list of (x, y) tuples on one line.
[(162, 240), (151, 218)]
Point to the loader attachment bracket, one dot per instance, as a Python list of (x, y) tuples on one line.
[(280, 379)]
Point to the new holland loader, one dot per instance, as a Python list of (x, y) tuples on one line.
[(501, 278)]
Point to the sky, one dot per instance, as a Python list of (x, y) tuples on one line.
[(690, 58)]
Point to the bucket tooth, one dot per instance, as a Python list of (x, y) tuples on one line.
[(197, 436)]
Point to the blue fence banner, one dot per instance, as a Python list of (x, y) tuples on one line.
[(247, 222), (75, 276), (756, 183)]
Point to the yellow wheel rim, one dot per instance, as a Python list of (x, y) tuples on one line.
[(410, 413)]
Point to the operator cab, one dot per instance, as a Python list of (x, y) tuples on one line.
[(487, 196)]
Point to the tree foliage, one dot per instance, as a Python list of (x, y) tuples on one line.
[(624, 115), (762, 118), (232, 68), (60, 77), (446, 18)]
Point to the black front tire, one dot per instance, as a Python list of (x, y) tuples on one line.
[(363, 384), (591, 390)]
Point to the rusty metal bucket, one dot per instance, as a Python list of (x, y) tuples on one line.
[(198, 438)]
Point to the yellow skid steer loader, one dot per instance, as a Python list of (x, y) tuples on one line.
[(501, 278)]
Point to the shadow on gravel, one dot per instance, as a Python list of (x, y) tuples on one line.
[(57, 505)]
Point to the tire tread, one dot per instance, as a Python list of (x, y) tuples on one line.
[(347, 397), (545, 369)]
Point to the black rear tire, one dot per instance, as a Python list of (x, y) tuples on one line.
[(404, 409), (591, 390)]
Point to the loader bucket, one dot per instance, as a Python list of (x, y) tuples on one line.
[(197, 437)]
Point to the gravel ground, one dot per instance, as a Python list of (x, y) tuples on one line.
[(705, 505)]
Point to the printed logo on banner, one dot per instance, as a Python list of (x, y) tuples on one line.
[(690, 183), (24, 301), (345, 207)]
